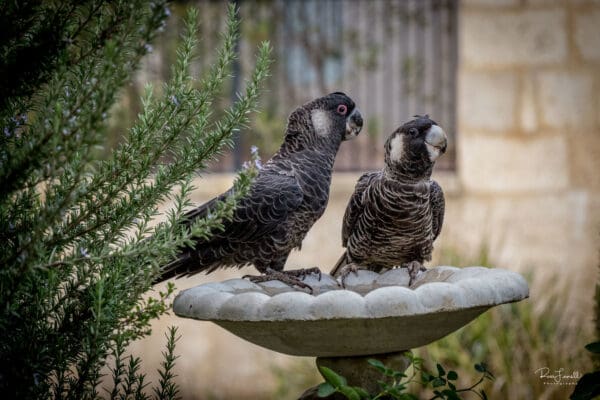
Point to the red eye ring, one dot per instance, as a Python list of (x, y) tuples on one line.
[(342, 109)]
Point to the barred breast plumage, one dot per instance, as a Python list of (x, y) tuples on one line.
[(395, 214)]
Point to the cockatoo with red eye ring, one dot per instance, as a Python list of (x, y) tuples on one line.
[(289, 194)]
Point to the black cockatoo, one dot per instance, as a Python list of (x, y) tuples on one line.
[(395, 214), (286, 198)]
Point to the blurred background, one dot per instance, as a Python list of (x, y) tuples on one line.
[(515, 84)]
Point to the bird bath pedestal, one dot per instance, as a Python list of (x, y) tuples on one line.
[(376, 316)]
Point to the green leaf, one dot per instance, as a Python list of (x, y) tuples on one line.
[(593, 347), (441, 371), (362, 392), (394, 393), (588, 387), (452, 375), (407, 396), (413, 359), (399, 374), (332, 377), (349, 392), (325, 389), (426, 376), (437, 382), (377, 364)]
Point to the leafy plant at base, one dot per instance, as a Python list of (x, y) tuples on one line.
[(394, 384), (77, 249), (513, 338), (588, 387)]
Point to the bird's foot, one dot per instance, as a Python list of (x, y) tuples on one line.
[(303, 272), (413, 267), (291, 278), (347, 270)]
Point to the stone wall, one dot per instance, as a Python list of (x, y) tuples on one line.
[(529, 135)]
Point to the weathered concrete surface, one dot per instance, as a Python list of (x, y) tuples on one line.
[(380, 318)]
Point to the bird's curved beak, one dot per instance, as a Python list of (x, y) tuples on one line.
[(354, 124), (436, 142)]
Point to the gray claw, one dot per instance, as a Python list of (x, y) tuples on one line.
[(413, 267), (347, 270), (290, 278)]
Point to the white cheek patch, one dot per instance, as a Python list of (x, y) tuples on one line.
[(434, 152), (321, 122), (396, 148)]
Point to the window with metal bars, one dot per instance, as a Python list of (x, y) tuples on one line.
[(395, 58)]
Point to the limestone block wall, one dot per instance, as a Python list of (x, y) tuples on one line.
[(529, 136)]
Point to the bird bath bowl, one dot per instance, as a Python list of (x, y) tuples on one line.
[(375, 314)]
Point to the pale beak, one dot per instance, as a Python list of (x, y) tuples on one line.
[(436, 142), (354, 124)]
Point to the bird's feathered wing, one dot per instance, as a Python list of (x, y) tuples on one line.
[(353, 211), (355, 206), (203, 210), (264, 211), (438, 208)]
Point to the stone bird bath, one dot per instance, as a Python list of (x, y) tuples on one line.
[(375, 316)]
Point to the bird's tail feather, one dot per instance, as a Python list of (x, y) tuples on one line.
[(177, 267), (342, 262)]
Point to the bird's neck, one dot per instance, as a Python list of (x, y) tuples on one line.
[(409, 176), (297, 142)]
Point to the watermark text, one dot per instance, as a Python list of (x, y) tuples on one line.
[(558, 376)]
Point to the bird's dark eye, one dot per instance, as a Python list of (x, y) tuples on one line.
[(413, 131), (342, 109)]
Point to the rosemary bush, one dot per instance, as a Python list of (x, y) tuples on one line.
[(77, 250)]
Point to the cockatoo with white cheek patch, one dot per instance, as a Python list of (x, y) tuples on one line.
[(289, 194), (395, 214)]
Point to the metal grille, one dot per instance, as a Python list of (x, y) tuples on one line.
[(395, 58)]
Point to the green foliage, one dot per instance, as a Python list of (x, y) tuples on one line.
[(39, 38), (514, 340), (441, 383), (129, 382), (588, 387), (596, 355), (167, 389), (78, 250)]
